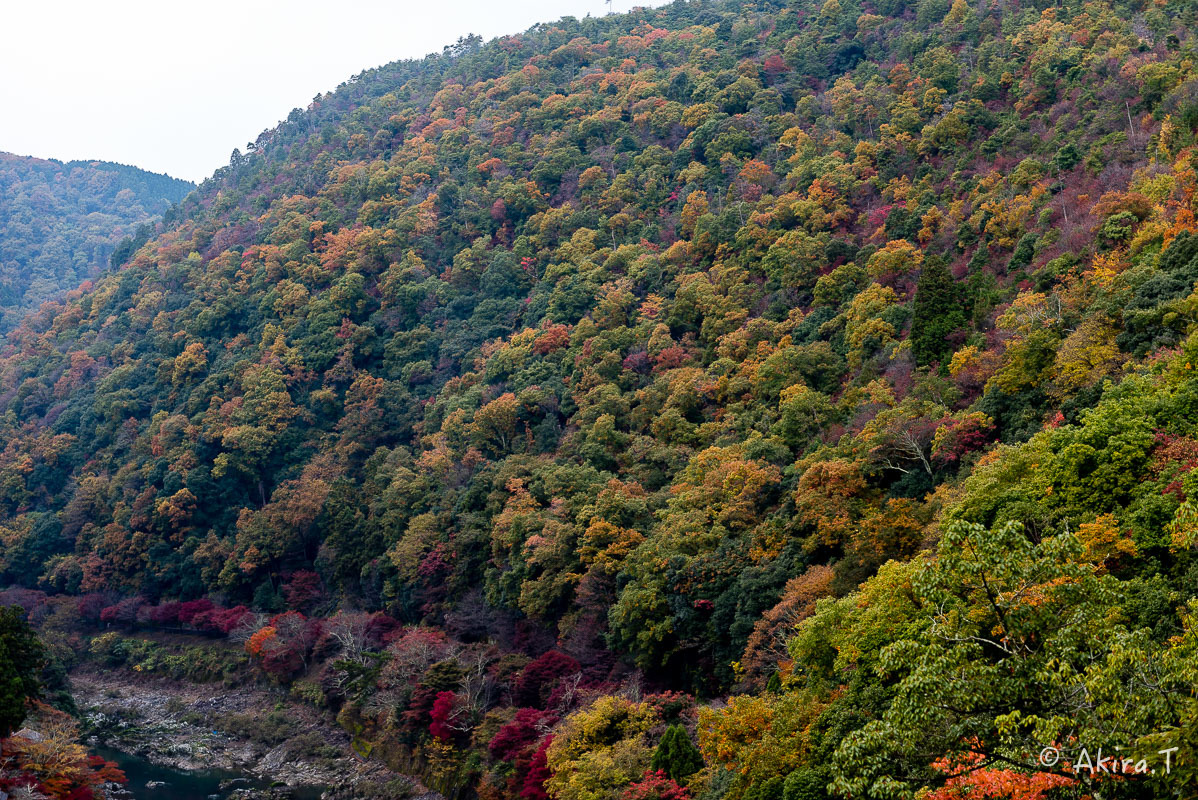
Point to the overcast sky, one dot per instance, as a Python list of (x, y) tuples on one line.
[(174, 85)]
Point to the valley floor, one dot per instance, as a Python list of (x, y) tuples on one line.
[(250, 730)]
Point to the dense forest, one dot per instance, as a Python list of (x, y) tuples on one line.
[(745, 400), (60, 223)]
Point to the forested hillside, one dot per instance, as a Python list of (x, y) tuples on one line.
[(59, 223), (725, 400)]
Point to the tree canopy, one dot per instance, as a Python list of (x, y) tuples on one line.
[(812, 382)]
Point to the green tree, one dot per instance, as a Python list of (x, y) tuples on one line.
[(677, 755), (1023, 651), (21, 660), (938, 312)]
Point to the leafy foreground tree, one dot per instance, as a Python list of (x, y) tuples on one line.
[(990, 661), (1026, 649), (54, 764)]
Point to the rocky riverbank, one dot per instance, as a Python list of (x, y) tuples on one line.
[(249, 730)]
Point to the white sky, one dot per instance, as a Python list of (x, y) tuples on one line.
[(174, 85)]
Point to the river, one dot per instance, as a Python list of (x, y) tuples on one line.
[(187, 785)]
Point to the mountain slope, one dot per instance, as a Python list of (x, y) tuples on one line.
[(59, 223), (623, 342)]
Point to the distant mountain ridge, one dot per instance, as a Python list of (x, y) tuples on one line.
[(60, 222)]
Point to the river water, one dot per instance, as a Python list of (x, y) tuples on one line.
[(186, 785)]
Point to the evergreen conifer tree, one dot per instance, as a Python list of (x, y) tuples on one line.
[(677, 755), (939, 312)]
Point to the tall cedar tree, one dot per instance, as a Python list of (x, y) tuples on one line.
[(938, 313), (21, 660)]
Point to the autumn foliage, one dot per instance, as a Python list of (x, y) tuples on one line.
[(811, 384)]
